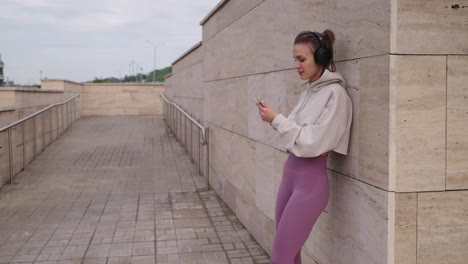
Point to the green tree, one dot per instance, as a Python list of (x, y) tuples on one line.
[(159, 74)]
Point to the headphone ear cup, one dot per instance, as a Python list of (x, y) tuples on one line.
[(323, 56)]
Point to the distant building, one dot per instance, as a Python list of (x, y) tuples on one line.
[(1, 70)]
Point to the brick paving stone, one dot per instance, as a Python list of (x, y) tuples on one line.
[(73, 252), (143, 260), (143, 248), (5, 259), (51, 253), (119, 190), (121, 249), (94, 261), (98, 250), (119, 260), (143, 236)]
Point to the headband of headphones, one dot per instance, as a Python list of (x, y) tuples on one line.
[(322, 55)]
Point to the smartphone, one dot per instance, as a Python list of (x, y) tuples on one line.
[(258, 101)]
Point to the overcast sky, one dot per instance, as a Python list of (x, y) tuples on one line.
[(82, 39)]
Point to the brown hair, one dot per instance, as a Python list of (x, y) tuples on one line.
[(328, 39)]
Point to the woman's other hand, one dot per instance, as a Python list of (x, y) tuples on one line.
[(266, 112)]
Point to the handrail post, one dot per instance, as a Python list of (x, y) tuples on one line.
[(43, 131), (10, 154), (191, 142), (50, 121), (199, 152), (207, 144), (57, 111), (34, 137), (177, 125), (24, 145), (66, 115), (61, 119), (74, 110), (65, 118), (186, 134)]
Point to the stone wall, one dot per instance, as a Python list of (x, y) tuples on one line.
[(429, 131), (32, 136), (400, 195), (186, 89), (16, 103), (109, 99), (121, 99)]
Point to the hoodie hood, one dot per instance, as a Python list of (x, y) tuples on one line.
[(327, 77)]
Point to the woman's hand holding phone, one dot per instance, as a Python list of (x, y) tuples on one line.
[(266, 112), (258, 101)]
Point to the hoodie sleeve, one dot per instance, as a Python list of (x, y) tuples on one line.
[(312, 140)]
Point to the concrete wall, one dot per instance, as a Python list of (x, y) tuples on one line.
[(108, 99), (186, 89), (16, 103), (400, 195), (121, 99), (32, 136)]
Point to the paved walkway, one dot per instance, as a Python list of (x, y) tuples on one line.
[(118, 190)]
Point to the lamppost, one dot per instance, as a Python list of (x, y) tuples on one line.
[(155, 46)]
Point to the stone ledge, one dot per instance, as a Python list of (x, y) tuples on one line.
[(19, 89), (213, 11)]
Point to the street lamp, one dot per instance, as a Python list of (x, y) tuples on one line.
[(155, 46)]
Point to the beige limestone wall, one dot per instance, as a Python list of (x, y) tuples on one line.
[(457, 123), (248, 52), (30, 138), (16, 103), (111, 98), (69, 89), (121, 99), (259, 34), (399, 196), (187, 83), (429, 90), (429, 27), (185, 88)]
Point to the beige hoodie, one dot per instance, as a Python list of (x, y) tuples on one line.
[(321, 121)]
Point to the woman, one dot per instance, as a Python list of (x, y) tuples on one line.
[(319, 123)]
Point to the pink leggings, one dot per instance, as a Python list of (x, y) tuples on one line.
[(302, 196)]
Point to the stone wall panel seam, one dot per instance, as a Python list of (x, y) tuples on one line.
[(292, 68), (426, 55), (380, 188), (446, 116), (417, 211), (189, 66)]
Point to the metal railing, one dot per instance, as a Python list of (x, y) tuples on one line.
[(65, 115), (182, 125)]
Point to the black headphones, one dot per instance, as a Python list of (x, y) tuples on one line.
[(322, 55)]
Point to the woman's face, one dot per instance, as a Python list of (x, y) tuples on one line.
[(305, 63)]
